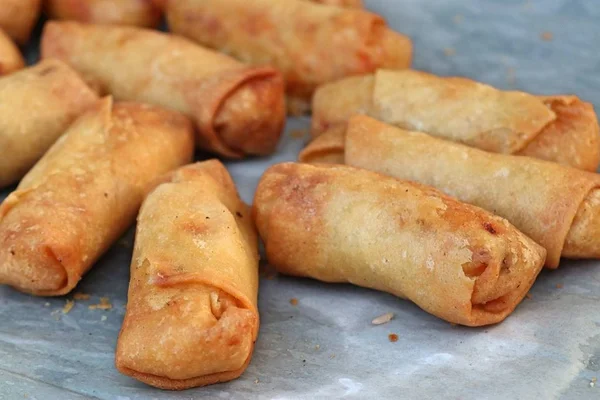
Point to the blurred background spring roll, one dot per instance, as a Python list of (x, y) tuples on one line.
[(454, 260), (37, 106), (562, 129), (18, 17), (85, 192), (11, 59), (238, 110), (310, 43), (556, 205), (142, 13), (341, 3), (192, 315)]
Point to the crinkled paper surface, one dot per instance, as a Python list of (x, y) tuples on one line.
[(325, 346)]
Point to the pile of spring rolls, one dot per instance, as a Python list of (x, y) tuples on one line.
[(440, 190)]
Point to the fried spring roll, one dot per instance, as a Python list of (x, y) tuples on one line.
[(341, 3), (18, 17), (192, 315), (310, 43), (85, 191), (11, 59), (123, 12), (37, 105), (555, 205), (562, 129), (454, 260), (238, 110)]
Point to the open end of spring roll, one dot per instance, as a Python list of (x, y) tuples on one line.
[(85, 191), (238, 110), (142, 13), (553, 204), (572, 139), (192, 314), (328, 148), (11, 59), (465, 111), (18, 17), (454, 260), (38, 105), (295, 36)]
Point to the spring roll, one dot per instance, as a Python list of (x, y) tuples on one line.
[(85, 192), (238, 110), (37, 105), (454, 260), (123, 12), (555, 205), (341, 3), (11, 59), (192, 315), (310, 43), (563, 129), (18, 17)]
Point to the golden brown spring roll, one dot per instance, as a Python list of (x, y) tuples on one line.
[(562, 129), (18, 17), (37, 105), (555, 205), (310, 43), (454, 260), (341, 3), (85, 191), (11, 59), (124, 12), (192, 315), (237, 109)]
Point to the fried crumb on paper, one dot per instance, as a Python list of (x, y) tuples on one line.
[(559, 285), (256, 380), (81, 296), (449, 51), (68, 306), (294, 301), (103, 318), (317, 347), (103, 305), (383, 319), (547, 36), (393, 337)]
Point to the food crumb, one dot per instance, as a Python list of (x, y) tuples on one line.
[(256, 380), (46, 304), (103, 318), (383, 319), (298, 133), (81, 296), (332, 356), (294, 301), (529, 296), (547, 36), (317, 347), (458, 19), (559, 285), (449, 51), (68, 306), (593, 382), (393, 337), (104, 304)]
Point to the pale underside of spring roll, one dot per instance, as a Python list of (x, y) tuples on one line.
[(11, 59), (237, 109), (540, 198), (142, 13), (18, 17), (38, 105), (454, 260), (562, 129), (85, 191), (192, 314), (310, 43)]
